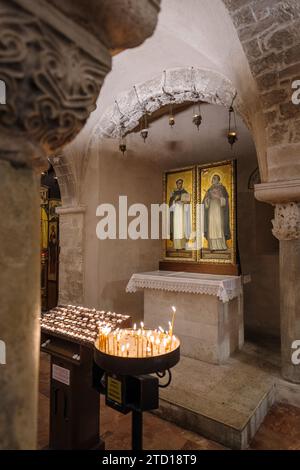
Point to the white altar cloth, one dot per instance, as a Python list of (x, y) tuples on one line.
[(225, 288)]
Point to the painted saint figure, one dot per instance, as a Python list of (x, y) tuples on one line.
[(216, 216), (180, 216), (53, 251)]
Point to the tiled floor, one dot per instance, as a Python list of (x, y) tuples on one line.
[(280, 430)]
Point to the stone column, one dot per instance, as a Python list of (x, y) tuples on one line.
[(285, 196), (286, 227), (53, 69), (52, 83), (20, 305), (71, 257)]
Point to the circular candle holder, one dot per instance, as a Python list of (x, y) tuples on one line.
[(137, 365)]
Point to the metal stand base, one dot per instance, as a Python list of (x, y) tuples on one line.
[(137, 430)]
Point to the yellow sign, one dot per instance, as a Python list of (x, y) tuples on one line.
[(114, 390)]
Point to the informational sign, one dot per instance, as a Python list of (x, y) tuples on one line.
[(114, 390), (61, 374)]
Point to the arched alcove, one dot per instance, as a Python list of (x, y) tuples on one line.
[(139, 175)]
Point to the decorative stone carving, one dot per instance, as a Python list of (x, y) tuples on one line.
[(286, 224), (178, 85), (51, 83), (124, 23), (66, 179)]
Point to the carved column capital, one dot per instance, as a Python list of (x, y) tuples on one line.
[(286, 224), (53, 73)]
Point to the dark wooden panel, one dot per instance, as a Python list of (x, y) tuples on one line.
[(226, 269)]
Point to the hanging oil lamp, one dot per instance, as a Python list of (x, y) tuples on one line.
[(144, 127), (122, 141), (171, 116), (232, 129), (122, 145), (197, 117)]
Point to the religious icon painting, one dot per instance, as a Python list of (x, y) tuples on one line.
[(180, 198), (53, 251), (53, 204), (216, 214)]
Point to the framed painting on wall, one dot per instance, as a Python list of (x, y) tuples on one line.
[(53, 251), (53, 204), (180, 196), (217, 225)]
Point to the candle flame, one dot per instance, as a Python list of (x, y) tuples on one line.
[(174, 309)]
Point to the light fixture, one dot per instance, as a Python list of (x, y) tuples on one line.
[(232, 127), (171, 116), (144, 127), (122, 145), (171, 98), (122, 137), (197, 117), (144, 121), (122, 140)]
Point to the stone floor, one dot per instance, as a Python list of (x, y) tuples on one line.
[(280, 429)]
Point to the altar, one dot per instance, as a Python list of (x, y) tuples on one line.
[(209, 310)]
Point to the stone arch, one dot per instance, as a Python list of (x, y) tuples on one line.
[(177, 85), (65, 177)]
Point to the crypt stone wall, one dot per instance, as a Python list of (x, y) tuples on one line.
[(269, 33)]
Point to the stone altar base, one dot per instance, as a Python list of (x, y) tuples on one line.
[(226, 403), (209, 311), (209, 330)]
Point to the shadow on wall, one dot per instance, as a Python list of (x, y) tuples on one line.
[(259, 254), (130, 304)]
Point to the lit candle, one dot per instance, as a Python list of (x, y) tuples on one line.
[(170, 328), (138, 342), (118, 343), (173, 318), (122, 349), (127, 349), (151, 344)]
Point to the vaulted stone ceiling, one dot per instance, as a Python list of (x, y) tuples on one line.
[(269, 31)]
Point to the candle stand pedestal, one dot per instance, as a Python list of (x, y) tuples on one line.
[(68, 335), (128, 386), (74, 403)]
